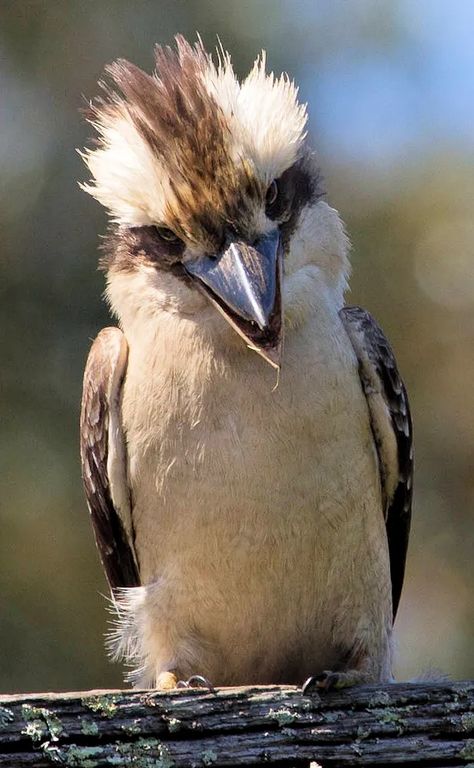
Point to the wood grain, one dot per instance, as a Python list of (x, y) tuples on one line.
[(402, 724)]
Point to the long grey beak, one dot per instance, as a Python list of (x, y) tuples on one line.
[(244, 283)]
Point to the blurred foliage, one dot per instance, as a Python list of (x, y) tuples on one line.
[(408, 208)]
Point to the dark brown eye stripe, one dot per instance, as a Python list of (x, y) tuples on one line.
[(125, 248), (150, 241), (166, 234), (298, 186), (272, 195)]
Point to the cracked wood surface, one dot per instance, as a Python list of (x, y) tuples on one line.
[(401, 724)]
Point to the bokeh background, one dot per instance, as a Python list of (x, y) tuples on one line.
[(390, 86)]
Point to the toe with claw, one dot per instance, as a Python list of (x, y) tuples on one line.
[(196, 681), (167, 681), (330, 681)]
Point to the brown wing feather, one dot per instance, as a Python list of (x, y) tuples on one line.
[(394, 438), (103, 377)]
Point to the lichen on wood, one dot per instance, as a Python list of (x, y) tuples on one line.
[(403, 724)]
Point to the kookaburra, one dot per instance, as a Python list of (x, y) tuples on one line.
[(252, 521)]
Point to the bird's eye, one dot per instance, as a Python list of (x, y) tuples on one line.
[(272, 194), (167, 234)]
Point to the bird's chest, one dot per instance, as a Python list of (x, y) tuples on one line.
[(228, 465)]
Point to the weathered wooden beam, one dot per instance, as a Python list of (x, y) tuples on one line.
[(402, 724)]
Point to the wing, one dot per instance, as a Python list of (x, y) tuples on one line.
[(392, 429), (103, 456)]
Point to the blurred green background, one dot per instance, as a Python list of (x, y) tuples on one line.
[(390, 87)]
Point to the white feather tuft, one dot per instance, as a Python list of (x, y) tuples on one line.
[(222, 83), (273, 120), (266, 120), (125, 640), (128, 178)]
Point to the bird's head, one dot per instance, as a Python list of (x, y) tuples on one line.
[(213, 196)]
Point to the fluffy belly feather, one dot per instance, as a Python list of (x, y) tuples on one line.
[(256, 513)]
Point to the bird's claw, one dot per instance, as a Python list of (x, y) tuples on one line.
[(329, 680), (325, 681), (196, 681)]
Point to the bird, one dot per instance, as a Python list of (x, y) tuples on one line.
[(246, 439)]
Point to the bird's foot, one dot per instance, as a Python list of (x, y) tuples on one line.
[(330, 681), (167, 681), (196, 681)]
